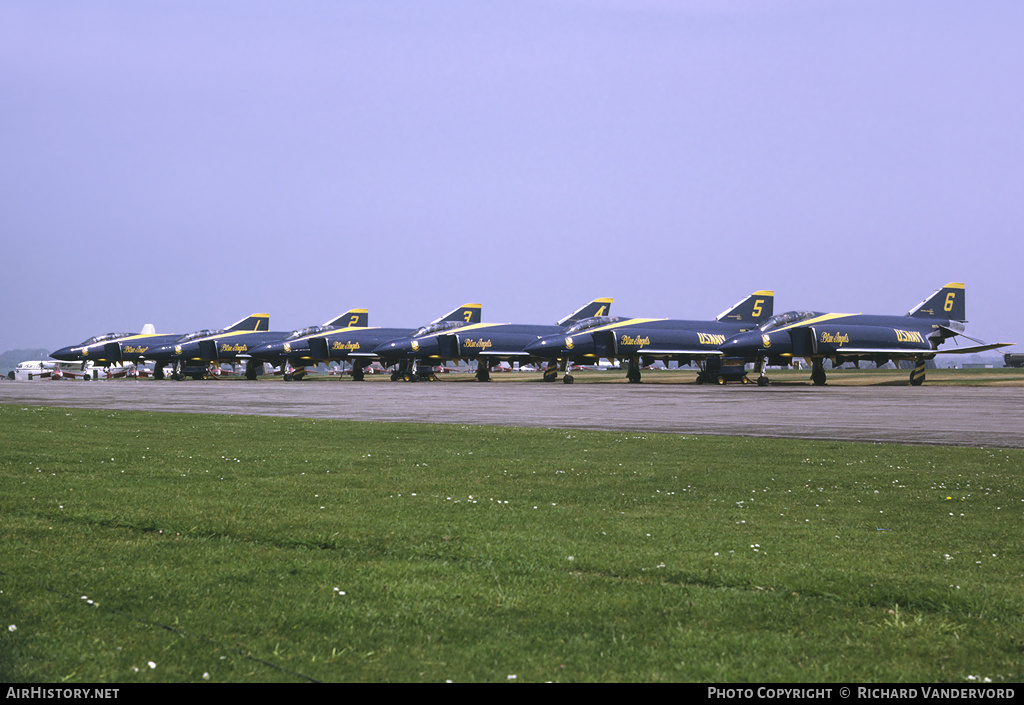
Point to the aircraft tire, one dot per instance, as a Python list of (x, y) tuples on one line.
[(567, 379), (550, 374), (763, 381), (818, 378)]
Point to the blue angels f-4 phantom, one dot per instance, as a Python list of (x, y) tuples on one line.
[(196, 350), (115, 348), (237, 343), (354, 344), (487, 343), (641, 341), (293, 353), (843, 337)]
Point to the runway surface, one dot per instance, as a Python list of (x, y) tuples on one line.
[(967, 416)]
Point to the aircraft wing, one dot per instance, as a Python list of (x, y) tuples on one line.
[(911, 351), (680, 351)]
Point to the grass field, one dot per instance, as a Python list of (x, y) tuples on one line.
[(163, 547)]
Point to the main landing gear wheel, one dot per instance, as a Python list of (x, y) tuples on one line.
[(818, 376), (357, 373), (483, 373), (633, 371), (551, 373), (917, 375)]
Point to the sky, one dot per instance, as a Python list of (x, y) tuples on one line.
[(186, 163)]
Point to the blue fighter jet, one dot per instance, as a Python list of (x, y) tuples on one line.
[(115, 348), (486, 343), (353, 343), (843, 337), (641, 341)]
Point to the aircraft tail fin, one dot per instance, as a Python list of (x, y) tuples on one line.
[(255, 322), (356, 318), (756, 309), (597, 307), (467, 313), (946, 303)]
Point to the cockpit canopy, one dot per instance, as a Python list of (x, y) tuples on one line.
[(107, 336), (592, 322), (311, 330), (437, 328), (198, 334), (785, 319)]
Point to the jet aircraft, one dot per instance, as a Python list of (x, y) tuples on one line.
[(197, 349), (487, 343), (295, 347), (353, 343), (115, 348), (644, 340), (844, 337)]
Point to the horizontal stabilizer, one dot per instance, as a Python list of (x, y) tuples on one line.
[(976, 348)]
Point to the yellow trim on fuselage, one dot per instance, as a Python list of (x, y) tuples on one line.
[(619, 324), (332, 331), (812, 321), (462, 329)]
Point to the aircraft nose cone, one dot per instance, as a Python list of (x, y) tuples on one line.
[(268, 349), (548, 347), (159, 352), (391, 349), (407, 347), (65, 354), (756, 343)]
